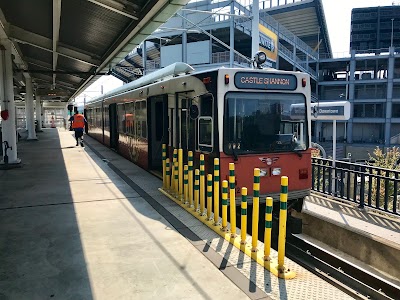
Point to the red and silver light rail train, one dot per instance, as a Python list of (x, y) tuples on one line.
[(255, 118)]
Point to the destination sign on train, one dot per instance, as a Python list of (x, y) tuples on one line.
[(265, 81)]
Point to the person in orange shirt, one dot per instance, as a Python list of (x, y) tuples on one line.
[(78, 125)]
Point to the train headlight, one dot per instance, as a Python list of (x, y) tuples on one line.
[(259, 58), (276, 171)]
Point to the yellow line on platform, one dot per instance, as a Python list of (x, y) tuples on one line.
[(271, 265)]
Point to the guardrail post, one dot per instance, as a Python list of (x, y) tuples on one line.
[(256, 200), (216, 191), (243, 225), (268, 228), (232, 198)]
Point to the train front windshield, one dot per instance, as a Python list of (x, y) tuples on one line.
[(264, 122)]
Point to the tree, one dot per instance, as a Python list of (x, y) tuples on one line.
[(388, 161)]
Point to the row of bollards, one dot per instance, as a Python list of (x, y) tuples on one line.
[(187, 187)]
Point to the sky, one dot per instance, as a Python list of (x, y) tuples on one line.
[(337, 15)]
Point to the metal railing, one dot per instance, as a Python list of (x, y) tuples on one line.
[(365, 185)]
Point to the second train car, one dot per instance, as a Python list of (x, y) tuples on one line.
[(255, 118)]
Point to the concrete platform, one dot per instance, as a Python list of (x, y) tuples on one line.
[(368, 238), (84, 223)]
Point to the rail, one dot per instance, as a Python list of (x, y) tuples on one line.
[(365, 185)]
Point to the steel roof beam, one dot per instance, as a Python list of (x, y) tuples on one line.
[(25, 37), (102, 4), (56, 34), (47, 66)]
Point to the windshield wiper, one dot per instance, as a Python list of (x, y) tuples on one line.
[(235, 157)]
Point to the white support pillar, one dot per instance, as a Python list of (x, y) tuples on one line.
[(9, 132), (30, 120), (39, 113), (255, 33)]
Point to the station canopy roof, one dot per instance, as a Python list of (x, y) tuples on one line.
[(66, 45)]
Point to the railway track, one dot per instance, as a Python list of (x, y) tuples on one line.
[(356, 282)]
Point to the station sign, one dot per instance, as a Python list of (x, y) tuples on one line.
[(265, 81), (333, 110)]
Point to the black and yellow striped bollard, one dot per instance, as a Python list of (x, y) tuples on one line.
[(190, 163), (256, 203), (282, 223), (174, 159), (209, 196), (176, 179), (216, 191), (224, 205), (164, 157), (268, 228), (185, 185), (180, 171), (243, 225), (167, 174), (196, 189), (202, 192), (232, 198)]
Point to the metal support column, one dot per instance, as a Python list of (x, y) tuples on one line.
[(9, 132), (389, 97), (232, 36), (351, 95), (30, 120), (38, 111), (255, 39)]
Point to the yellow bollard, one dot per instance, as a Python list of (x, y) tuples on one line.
[(202, 193), (216, 191), (196, 189), (176, 179), (174, 159), (282, 223), (180, 164), (209, 196), (167, 174), (185, 184), (232, 198), (190, 163), (164, 157), (243, 225), (224, 205), (268, 228), (256, 201)]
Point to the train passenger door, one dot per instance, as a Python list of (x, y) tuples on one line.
[(185, 125), (158, 129), (113, 126)]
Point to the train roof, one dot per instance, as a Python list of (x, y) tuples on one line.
[(171, 71)]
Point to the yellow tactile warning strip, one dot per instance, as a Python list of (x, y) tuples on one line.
[(304, 286)]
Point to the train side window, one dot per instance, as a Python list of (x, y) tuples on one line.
[(206, 106), (205, 136)]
